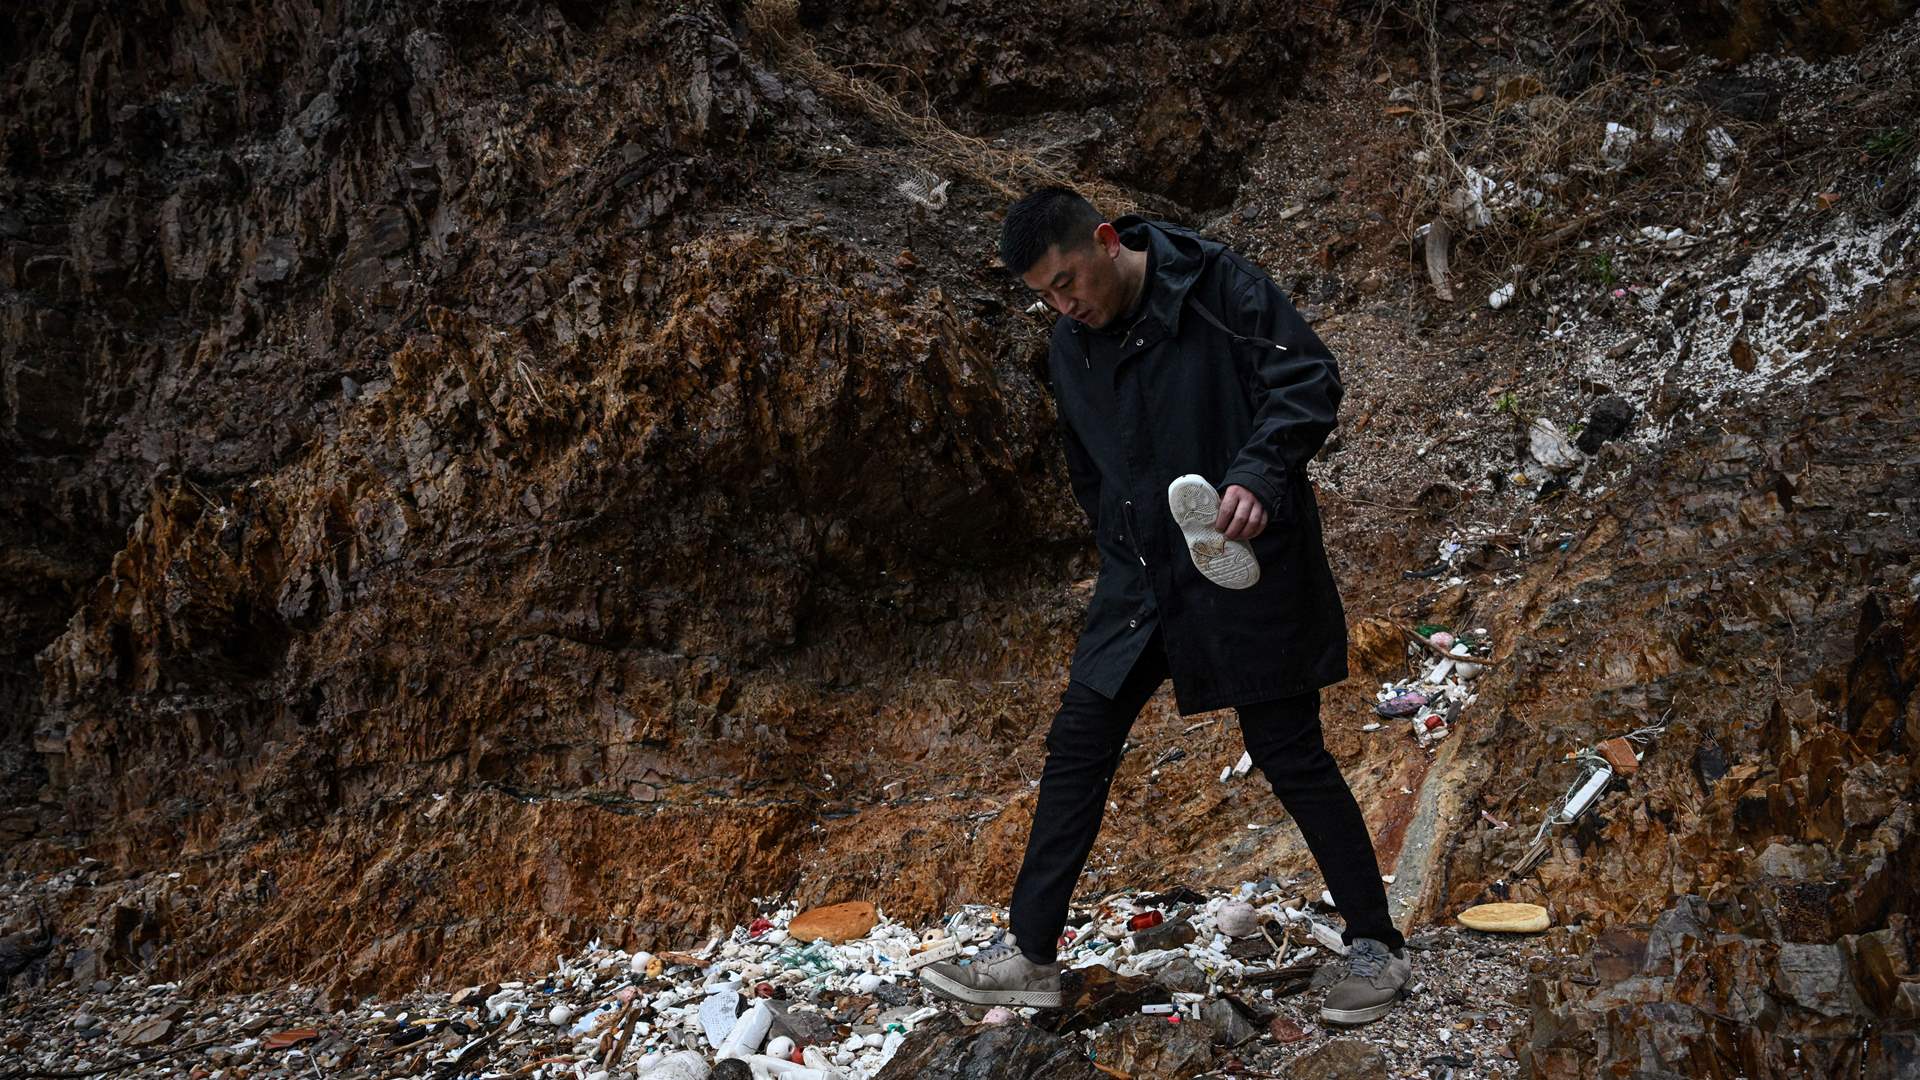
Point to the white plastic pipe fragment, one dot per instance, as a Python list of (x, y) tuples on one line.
[(1580, 800), (945, 949), (748, 1033), (773, 1068)]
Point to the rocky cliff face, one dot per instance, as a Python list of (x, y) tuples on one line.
[(486, 476)]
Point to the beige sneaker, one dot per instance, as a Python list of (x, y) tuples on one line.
[(1376, 980), (1227, 563), (999, 974)]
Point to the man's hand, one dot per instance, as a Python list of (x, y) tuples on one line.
[(1241, 516)]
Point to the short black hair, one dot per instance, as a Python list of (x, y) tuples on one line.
[(1050, 217)]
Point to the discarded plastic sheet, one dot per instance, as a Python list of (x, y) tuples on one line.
[(1549, 446)]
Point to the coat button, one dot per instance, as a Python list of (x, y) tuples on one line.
[(1139, 341), (1133, 624)]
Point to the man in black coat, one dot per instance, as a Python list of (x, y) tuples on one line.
[(1191, 397)]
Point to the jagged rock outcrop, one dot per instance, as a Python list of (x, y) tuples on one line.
[(414, 400), (1783, 647), (485, 476)]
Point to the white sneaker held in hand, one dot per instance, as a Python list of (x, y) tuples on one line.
[(1227, 563)]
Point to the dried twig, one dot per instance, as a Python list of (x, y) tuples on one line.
[(1284, 974)]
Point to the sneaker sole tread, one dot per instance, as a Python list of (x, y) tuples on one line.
[(1227, 563)]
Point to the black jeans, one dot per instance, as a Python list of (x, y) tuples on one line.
[(1083, 752)]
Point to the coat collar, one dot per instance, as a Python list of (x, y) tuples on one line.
[(1175, 257)]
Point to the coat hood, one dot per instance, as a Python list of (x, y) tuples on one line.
[(1176, 255)]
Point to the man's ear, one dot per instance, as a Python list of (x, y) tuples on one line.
[(1108, 238)]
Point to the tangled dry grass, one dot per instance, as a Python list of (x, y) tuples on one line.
[(932, 149), (1529, 166)]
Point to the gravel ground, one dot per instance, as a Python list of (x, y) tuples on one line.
[(856, 1001)]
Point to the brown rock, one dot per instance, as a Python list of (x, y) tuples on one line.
[(1094, 995), (1617, 954), (1376, 648), (837, 923), (282, 1040), (1285, 1031), (1341, 1059), (943, 1049), (1154, 1048), (148, 1032), (474, 995), (1875, 961)]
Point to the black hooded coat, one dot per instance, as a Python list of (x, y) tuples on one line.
[(1213, 373)]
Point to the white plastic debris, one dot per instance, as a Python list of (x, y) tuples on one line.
[(942, 949), (584, 1023), (1465, 670), (1616, 149), (1326, 935), (1720, 148), (685, 1065), (925, 191), (1237, 919), (748, 1033), (717, 1016), (1551, 447), (1472, 198), (1578, 802)]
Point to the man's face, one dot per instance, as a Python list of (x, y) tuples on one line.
[(1084, 284)]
